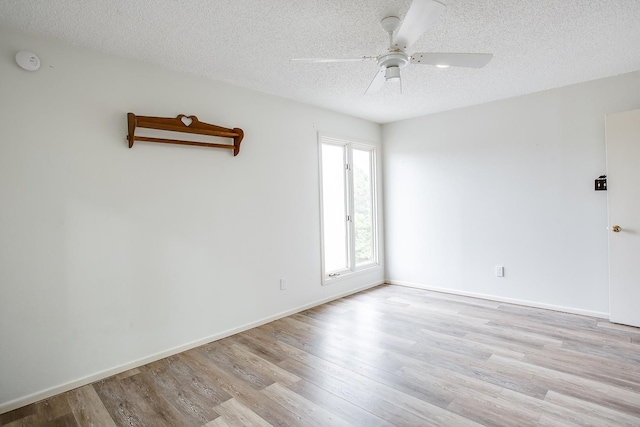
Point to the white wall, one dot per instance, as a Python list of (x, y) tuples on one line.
[(111, 256), (509, 183)]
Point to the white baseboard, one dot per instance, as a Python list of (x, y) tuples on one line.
[(526, 303), (62, 388)]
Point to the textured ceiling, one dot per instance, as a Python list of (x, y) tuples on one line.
[(537, 45)]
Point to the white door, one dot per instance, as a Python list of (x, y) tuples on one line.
[(623, 195)]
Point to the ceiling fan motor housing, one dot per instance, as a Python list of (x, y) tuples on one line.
[(392, 62)]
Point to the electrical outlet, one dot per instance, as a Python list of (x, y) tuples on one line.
[(499, 271), (283, 284)]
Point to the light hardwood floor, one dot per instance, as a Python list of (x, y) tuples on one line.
[(387, 356)]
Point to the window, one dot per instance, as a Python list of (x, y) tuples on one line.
[(348, 203)]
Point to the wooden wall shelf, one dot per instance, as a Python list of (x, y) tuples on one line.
[(186, 124)]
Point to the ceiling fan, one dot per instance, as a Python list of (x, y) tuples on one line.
[(420, 16)]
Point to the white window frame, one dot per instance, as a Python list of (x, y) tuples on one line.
[(351, 268)]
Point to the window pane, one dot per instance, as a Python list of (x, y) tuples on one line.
[(334, 208), (363, 206)]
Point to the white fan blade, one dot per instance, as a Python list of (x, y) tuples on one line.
[(377, 82), (323, 60), (420, 16), (471, 60)]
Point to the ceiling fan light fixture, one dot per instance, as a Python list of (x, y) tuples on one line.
[(392, 74)]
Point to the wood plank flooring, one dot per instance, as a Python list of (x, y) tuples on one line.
[(387, 356)]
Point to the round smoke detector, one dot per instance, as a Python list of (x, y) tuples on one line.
[(28, 60)]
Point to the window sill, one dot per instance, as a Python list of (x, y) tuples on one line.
[(352, 274)]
